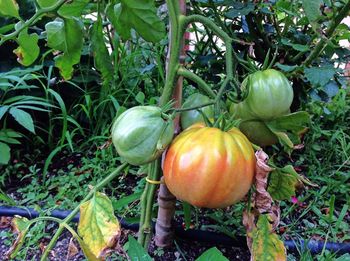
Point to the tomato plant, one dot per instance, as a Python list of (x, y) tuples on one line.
[(208, 167), (205, 166), (188, 118), (140, 134), (269, 94)]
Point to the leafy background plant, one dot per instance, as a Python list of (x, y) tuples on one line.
[(87, 64)]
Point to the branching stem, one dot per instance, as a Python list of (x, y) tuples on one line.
[(39, 13), (329, 33)]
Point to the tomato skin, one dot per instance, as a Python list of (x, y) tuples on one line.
[(255, 130), (270, 94), (258, 133), (189, 118), (140, 134), (210, 168)]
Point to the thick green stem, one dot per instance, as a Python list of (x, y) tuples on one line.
[(185, 21), (64, 222), (182, 71), (175, 47), (323, 42), (32, 21), (154, 173), (196, 107), (145, 230)]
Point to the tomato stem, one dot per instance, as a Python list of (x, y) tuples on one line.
[(195, 107)]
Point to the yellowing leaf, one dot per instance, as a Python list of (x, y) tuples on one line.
[(28, 49), (20, 225), (9, 8), (98, 226), (266, 244)]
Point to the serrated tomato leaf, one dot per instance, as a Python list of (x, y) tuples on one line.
[(113, 14), (98, 226), (102, 58), (312, 9), (266, 244), (282, 183), (319, 76), (65, 36), (288, 128), (9, 8), (28, 49), (46, 3), (141, 15), (72, 8)]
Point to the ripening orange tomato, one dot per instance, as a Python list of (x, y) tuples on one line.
[(208, 167)]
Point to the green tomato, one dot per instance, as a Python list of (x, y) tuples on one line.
[(269, 94), (189, 118), (239, 111), (255, 130), (258, 133), (140, 134)]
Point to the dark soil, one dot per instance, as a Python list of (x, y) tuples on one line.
[(65, 249)]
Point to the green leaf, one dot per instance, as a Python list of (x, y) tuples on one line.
[(125, 201), (28, 49), (66, 36), (298, 47), (282, 183), (73, 8), (102, 58), (289, 127), (3, 110), (9, 136), (98, 226), (212, 254), (240, 9), (23, 118), (46, 3), (10, 133), (136, 252), (9, 8), (4, 153), (5, 198), (266, 244), (294, 122), (286, 68), (319, 76), (113, 14), (312, 9), (140, 97), (142, 16)]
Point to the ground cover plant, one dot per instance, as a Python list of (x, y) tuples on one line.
[(238, 111)]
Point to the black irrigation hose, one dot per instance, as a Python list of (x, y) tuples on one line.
[(194, 235)]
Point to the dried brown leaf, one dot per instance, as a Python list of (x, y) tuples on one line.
[(263, 200), (72, 249)]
